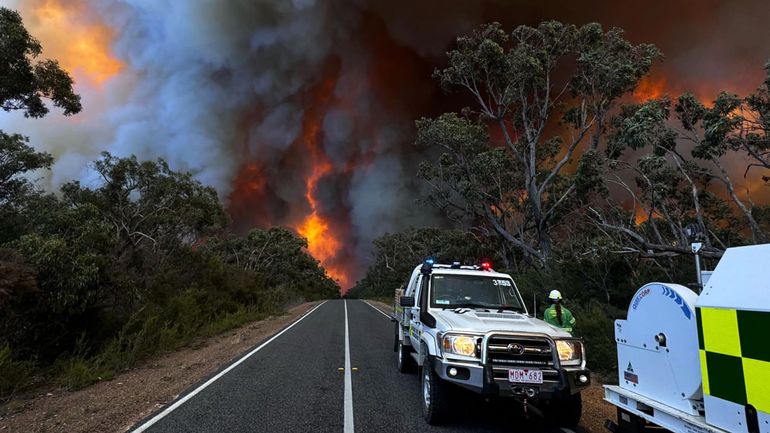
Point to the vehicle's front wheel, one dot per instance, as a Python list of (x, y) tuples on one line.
[(405, 363), (566, 411), (435, 398)]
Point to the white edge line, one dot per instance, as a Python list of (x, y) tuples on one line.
[(378, 310), (348, 397), (192, 394)]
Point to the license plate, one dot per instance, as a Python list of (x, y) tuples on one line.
[(525, 375)]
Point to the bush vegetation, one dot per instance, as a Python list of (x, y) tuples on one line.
[(103, 277)]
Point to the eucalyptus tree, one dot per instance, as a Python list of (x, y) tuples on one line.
[(26, 81), (682, 176), (524, 152)]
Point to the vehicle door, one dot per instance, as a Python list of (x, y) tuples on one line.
[(415, 326)]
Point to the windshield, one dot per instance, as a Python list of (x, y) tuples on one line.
[(473, 291)]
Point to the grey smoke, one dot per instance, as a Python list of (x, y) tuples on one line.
[(213, 85)]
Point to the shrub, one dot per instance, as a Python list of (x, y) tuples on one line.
[(14, 374), (77, 372)]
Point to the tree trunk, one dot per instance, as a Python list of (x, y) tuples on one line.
[(544, 241)]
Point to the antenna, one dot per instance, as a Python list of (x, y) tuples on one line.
[(694, 233)]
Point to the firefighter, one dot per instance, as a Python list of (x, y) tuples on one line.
[(556, 314)]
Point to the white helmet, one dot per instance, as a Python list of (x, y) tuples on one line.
[(555, 295)]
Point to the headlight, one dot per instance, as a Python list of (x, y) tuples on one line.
[(570, 352), (464, 345)]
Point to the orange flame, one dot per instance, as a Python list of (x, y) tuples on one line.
[(323, 243), (81, 46), (640, 216), (650, 88)]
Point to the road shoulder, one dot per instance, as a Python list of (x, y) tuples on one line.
[(117, 404)]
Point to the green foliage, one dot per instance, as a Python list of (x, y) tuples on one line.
[(16, 159), (26, 82), (596, 327), (589, 175), (14, 374), (17, 278), (17, 193), (148, 205), (77, 372)]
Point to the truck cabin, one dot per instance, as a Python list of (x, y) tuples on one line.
[(456, 286)]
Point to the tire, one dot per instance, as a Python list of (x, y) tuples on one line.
[(404, 361), (434, 393), (566, 411)]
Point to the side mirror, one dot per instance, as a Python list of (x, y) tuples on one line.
[(406, 301)]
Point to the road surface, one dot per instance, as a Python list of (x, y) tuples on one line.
[(297, 381)]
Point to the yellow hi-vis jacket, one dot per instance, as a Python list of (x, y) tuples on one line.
[(567, 319)]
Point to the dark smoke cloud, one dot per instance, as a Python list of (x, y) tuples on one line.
[(222, 89)]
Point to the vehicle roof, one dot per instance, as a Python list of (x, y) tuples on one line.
[(461, 271), (739, 281)]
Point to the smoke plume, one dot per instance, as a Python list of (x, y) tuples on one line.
[(300, 112)]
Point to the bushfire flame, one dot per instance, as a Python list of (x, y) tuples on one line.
[(323, 244), (81, 46), (650, 87)]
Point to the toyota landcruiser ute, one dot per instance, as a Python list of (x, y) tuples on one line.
[(468, 326)]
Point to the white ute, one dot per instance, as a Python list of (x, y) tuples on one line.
[(468, 326)]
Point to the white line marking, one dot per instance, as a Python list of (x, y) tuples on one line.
[(378, 310), (192, 394), (348, 379)]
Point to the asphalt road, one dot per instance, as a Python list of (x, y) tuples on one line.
[(295, 382)]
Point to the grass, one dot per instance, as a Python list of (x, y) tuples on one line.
[(148, 333), (14, 375), (154, 338)]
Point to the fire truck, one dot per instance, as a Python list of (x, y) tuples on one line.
[(698, 362), (468, 327)]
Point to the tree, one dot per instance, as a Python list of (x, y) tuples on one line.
[(541, 98), (16, 159), (25, 81), (754, 134), (17, 192), (17, 278), (678, 180), (278, 254), (149, 206), (669, 190), (713, 131)]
